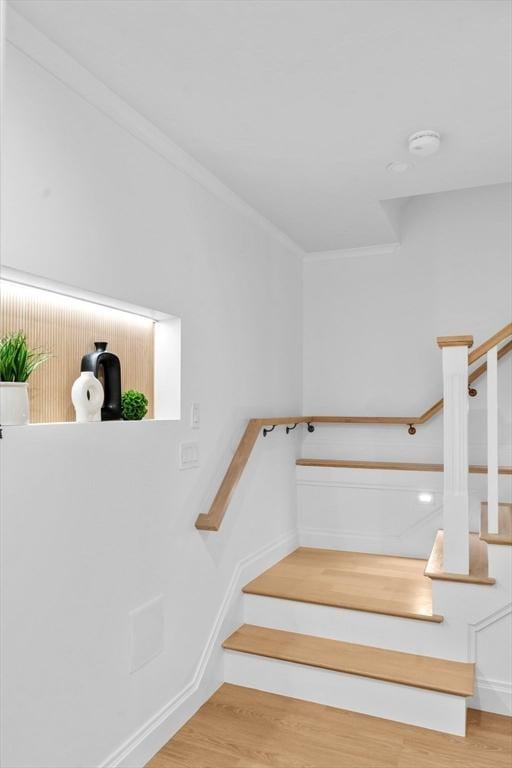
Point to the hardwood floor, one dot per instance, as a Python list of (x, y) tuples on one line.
[(244, 728), (395, 586)]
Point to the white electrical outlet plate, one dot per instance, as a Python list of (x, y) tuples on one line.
[(147, 632), (189, 455), (195, 416)]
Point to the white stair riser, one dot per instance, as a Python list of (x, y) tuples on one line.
[(447, 640), (500, 563), (402, 703)]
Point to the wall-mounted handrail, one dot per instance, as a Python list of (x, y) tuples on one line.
[(212, 520)]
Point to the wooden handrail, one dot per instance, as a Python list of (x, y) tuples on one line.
[(477, 353), (438, 406), (212, 520)]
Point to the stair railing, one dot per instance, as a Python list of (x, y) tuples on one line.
[(455, 448), (493, 353), (456, 359), (492, 440), (211, 521)]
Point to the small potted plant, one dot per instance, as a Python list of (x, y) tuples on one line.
[(17, 362), (134, 405)]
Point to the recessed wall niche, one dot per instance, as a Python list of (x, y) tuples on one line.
[(67, 328)]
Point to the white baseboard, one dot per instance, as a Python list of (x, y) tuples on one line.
[(492, 696), (208, 676), (362, 541)]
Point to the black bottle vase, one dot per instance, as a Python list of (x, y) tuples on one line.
[(111, 409)]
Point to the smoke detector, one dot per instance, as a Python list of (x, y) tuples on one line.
[(424, 143)]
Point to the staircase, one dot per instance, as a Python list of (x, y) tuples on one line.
[(349, 630), (381, 634), (359, 631)]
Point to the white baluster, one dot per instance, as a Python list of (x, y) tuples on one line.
[(492, 440), (455, 426)]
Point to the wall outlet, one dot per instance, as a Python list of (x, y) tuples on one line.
[(195, 416), (189, 455), (147, 632)]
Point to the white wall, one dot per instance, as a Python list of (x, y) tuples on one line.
[(89, 204), (97, 519), (371, 322), (370, 328)]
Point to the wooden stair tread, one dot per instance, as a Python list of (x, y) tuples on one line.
[(504, 535), (395, 586), (434, 674), (405, 466), (478, 566)]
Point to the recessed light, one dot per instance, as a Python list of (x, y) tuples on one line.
[(425, 498), (398, 166)]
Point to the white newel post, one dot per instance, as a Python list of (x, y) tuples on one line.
[(492, 440), (455, 426)]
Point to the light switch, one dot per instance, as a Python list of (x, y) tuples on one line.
[(189, 455), (195, 416)]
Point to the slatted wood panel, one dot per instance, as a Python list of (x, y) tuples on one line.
[(68, 328)]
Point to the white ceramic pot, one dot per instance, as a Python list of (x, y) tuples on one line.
[(87, 396), (14, 407)]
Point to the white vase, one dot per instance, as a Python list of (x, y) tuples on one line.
[(14, 407), (87, 396)]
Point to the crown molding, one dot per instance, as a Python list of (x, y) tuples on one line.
[(383, 249), (27, 39)]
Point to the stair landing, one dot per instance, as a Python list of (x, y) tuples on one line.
[(395, 586)]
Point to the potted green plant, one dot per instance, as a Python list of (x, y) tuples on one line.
[(17, 362), (134, 405)]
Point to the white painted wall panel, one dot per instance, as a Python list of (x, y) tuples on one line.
[(97, 522), (379, 510), (371, 322)]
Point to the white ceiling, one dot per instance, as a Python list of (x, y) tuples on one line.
[(298, 105)]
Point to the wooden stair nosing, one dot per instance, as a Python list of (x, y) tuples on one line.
[(435, 618), (427, 672), (403, 466), (478, 564), (504, 535), (306, 587)]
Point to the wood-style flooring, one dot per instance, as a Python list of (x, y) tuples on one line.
[(244, 728), (395, 586)]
